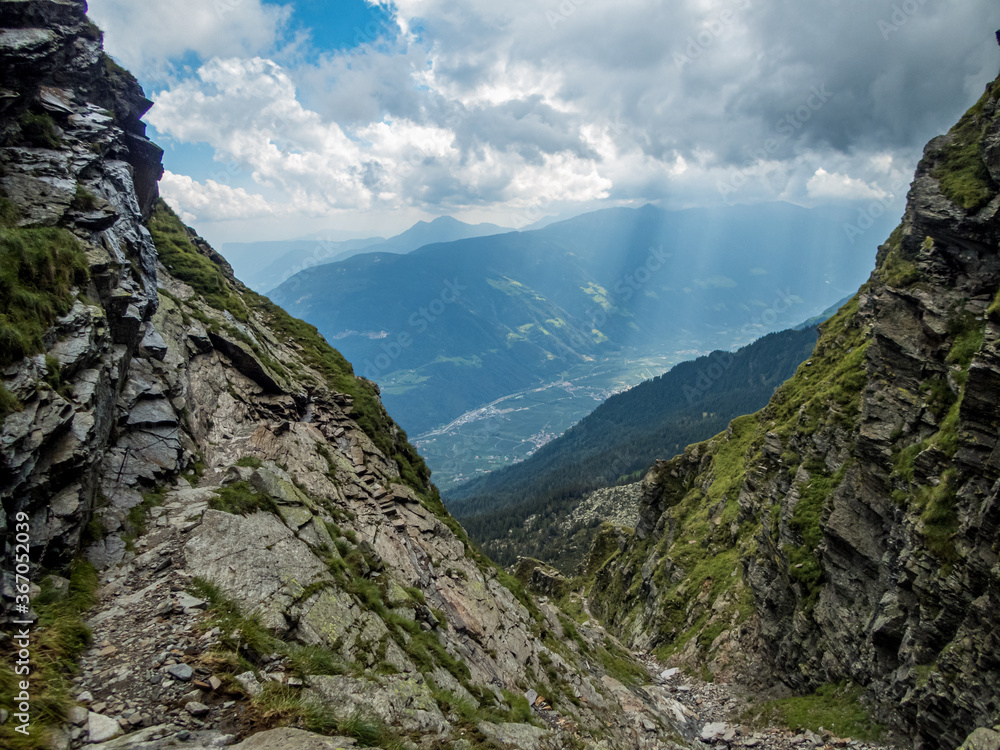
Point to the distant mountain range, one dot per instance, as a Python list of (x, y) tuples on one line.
[(620, 441), (453, 326), (264, 265)]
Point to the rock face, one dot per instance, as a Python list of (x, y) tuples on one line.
[(74, 156), (184, 433), (851, 529)]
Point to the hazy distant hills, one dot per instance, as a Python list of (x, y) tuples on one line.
[(627, 433), (264, 265), (452, 326)]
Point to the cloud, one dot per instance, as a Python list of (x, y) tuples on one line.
[(211, 200), (248, 111), (840, 187), (478, 106), (147, 37)]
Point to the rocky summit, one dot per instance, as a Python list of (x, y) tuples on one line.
[(230, 543)]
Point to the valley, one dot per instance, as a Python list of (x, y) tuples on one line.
[(469, 340), (513, 427)]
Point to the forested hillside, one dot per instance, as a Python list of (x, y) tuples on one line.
[(621, 439)]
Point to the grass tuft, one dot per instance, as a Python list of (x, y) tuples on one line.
[(58, 639), (241, 499), (39, 272)]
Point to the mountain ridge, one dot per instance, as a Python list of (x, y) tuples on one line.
[(540, 303), (294, 256)]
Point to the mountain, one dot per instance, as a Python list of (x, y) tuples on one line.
[(264, 265), (623, 436), (452, 327), (848, 532), (212, 531), (441, 229)]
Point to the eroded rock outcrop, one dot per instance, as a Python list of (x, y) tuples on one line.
[(851, 529), (74, 157)]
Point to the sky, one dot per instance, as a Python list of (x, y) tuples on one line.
[(284, 118)]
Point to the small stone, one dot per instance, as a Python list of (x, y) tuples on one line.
[(715, 731), (186, 601), (295, 682), (214, 683), (107, 651), (99, 707), (249, 682), (4, 715), (85, 697), (666, 674), (195, 708), (58, 739), (77, 715), (182, 672)]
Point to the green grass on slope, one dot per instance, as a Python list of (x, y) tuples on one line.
[(39, 270), (960, 170), (708, 536), (184, 261), (835, 708), (57, 641)]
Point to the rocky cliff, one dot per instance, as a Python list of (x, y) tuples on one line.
[(268, 547), (849, 530)]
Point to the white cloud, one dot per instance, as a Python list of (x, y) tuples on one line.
[(480, 106), (248, 111), (212, 201), (840, 187), (146, 36)]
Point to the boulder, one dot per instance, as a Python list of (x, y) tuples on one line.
[(982, 739), (287, 738), (102, 728)]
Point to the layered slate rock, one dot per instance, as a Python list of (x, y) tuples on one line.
[(74, 155)]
